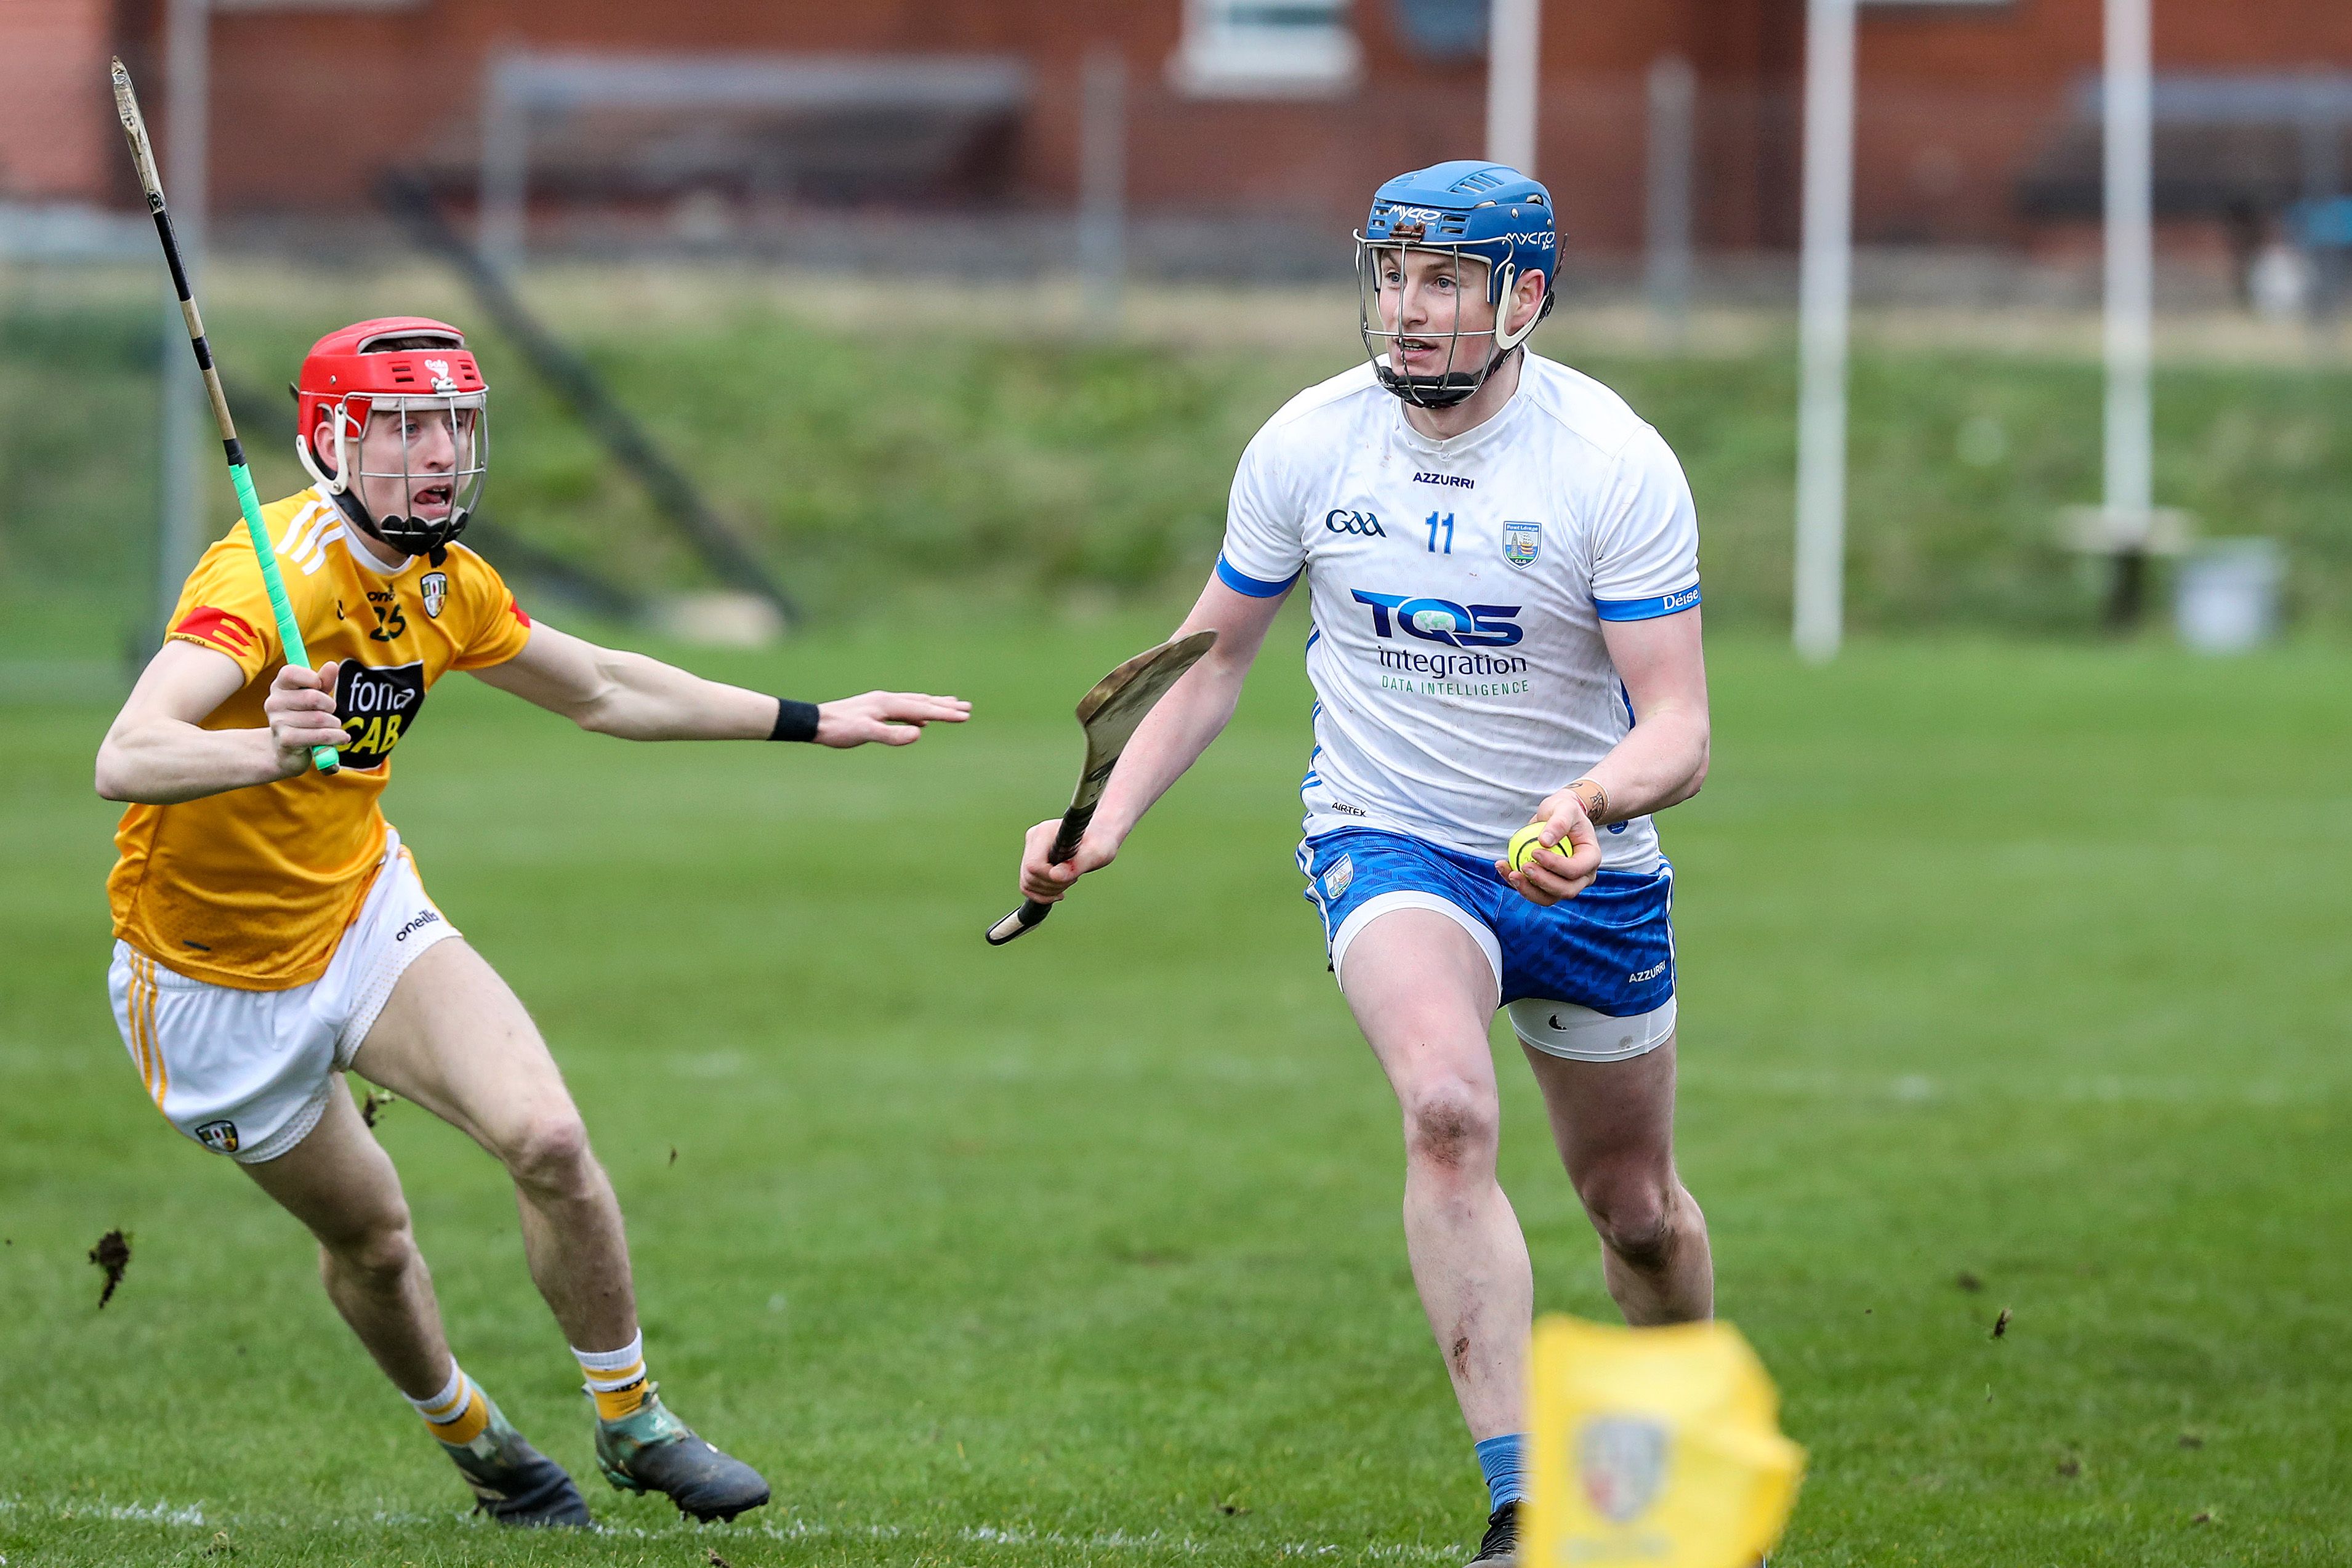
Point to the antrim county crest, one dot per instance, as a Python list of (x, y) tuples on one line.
[(1522, 542), (434, 588)]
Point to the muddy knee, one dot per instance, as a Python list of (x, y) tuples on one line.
[(1449, 1125)]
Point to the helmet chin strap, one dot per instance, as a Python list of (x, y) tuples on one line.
[(1505, 339), (348, 505), (361, 518)]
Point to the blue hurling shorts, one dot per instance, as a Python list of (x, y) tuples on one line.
[(1570, 974)]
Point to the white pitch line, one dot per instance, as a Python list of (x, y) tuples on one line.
[(2106, 1089), (193, 1516)]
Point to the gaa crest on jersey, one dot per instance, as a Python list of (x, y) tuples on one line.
[(1522, 542), (435, 587), (218, 1137), (1621, 1460)]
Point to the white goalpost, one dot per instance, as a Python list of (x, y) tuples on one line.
[(1824, 295), (184, 478), (2129, 178), (1825, 302), (1514, 73)]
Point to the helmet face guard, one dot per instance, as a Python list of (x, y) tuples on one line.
[(1470, 356), (1468, 211), (347, 380), (469, 465)]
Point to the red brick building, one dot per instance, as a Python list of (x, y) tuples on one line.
[(1969, 132)]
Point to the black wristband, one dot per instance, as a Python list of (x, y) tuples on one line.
[(794, 721)]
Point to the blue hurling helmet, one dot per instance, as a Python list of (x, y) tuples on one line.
[(1473, 209)]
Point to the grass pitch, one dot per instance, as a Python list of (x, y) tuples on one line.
[(2025, 966)]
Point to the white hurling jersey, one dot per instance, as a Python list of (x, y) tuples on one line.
[(1457, 589)]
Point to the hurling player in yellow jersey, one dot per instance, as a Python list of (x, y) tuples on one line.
[(271, 930)]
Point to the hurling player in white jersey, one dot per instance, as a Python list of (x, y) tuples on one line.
[(1501, 559)]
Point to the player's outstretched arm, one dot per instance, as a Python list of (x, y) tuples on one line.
[(157, 751), (614, 692), (1661, 762), (1170, 740)]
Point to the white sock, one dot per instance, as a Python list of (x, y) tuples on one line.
[(459, 1412), (615, 1377), (444, 1404)]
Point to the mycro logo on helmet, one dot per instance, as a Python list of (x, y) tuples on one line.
[(1442, 619), (1414, 215), (1340, 521)]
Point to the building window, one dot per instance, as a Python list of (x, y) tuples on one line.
[(1266, 48)]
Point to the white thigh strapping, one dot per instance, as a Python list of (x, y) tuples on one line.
[(1580, 1034), (1372, 908)]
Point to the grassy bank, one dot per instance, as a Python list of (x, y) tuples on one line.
[(874, 445)]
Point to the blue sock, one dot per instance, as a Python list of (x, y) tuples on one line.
[(1498, 1460)]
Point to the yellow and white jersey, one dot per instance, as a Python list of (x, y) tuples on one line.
[(251, 889)]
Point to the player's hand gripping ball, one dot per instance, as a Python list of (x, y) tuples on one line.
[(1527, 843)]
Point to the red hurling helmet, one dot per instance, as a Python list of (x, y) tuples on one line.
[(445, 446)]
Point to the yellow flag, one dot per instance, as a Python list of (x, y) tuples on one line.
[(1659, 1447)]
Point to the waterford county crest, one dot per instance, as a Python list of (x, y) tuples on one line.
[(1336, 880), (1522, 542), (1621, 1460)]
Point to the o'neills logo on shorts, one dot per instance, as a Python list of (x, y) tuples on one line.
[(417, 923)]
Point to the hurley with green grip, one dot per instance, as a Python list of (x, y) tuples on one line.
[(143, 154)]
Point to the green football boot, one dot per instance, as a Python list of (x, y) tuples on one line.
[(653, 1450), (513, 1482)]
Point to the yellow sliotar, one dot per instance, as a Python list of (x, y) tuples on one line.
[(1528, 842), (1657, 1446)]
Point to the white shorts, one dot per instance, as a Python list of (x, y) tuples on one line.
[(247, 1074)]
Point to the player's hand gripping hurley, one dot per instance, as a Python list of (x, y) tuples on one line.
[(1109, 714), (143, 154)]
